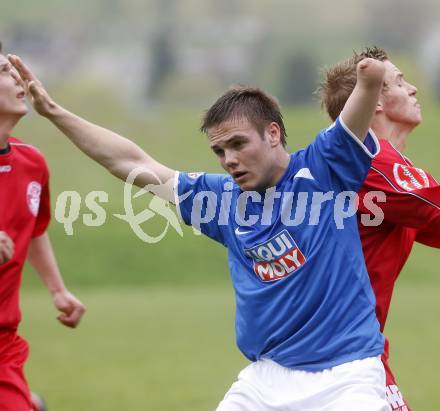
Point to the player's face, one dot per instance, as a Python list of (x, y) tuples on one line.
[(12, 95), (245, 154), (398, 100)]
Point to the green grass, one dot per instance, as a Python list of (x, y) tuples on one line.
[(159, 331), (172, 348), (414, 341), (143, 348), (112, 254)]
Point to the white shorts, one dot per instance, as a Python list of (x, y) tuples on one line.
[(267, 386)]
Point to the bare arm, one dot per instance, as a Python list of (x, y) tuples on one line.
[(42, 259), (117, 154), (360, 107)]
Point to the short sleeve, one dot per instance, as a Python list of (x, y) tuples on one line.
[(418, 208), (340, 159), (198, 201), (43, 217)]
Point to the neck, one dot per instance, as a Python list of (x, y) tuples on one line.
[(7, 124), (284, 159), (395, 133)]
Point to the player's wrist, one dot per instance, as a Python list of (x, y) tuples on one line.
[(57, 290), (53, 111)]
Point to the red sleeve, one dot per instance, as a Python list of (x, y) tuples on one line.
[(429, 238), (418, 208), (43, 216)]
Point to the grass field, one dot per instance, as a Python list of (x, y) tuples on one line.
[(96, 255), (162, 348), (159, 334)]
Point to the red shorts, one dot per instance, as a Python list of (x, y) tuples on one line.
[(394, 396), (14, 390)]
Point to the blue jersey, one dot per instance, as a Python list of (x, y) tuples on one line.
[(303, 296)]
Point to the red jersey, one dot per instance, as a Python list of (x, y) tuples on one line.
[(411, 213), (24, 214)]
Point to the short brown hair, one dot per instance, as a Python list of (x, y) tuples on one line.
[(340, 79), (259, 108)]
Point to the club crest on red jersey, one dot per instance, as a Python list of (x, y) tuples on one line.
[(33, 195), (410, 178), (276, 258), (5, 169)]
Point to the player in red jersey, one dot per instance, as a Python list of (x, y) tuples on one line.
[(24, 217), (411, 200)]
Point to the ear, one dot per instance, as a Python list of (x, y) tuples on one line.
[(273, 133), (379, 107)]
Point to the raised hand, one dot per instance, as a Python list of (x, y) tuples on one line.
[(370, 72), (361, 106), (41, 100)]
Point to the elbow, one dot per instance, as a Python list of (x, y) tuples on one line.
[(129, 171)]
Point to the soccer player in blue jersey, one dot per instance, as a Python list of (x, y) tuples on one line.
[(305, 312)]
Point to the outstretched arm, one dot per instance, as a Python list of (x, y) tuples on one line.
[(42, 259), (117, 154), (360, 107)]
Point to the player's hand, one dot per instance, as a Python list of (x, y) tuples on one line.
[(6, 248), (371, 72), (71, 308), (40, 99)]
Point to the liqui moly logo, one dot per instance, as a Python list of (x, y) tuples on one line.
[(276, 258)]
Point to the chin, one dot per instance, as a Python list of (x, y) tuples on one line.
[(418, 117), (22, 111), (253, 187), (248, 186), (416, 122)]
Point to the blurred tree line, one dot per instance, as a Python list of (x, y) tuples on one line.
[(169, 51)]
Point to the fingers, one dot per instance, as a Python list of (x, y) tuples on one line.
[(372, 66), (71, 319), (72, 311), (6, 252), (38, 92), (23, 70), (24, 75), (40, 99), (371, 71), (16, 76), (33, 89), (4, 256), (6, 248)]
